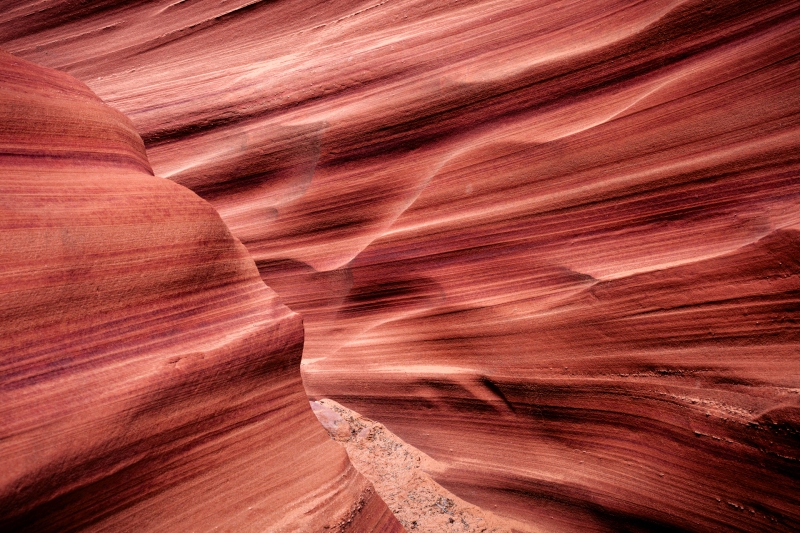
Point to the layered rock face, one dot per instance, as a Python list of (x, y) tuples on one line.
[(553, 245), (149, 380)]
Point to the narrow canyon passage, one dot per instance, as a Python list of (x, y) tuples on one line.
[(551, 246), (399, 473)]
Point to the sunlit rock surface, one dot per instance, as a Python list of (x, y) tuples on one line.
[(553, 245), (149, 380)]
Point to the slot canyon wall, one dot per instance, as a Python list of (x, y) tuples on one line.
[(149, 380), (554, 245)]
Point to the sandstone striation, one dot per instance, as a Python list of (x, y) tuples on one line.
[(149, 380), (551, 244)]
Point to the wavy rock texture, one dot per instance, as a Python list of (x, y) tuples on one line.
[(149, 380), (553, 245)]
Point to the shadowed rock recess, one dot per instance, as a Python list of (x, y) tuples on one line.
[(554, 246)]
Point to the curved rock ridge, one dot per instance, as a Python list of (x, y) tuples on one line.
[(149, 380), (551, 244)]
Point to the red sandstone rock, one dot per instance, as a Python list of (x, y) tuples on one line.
[(551, 244), (149, 380)]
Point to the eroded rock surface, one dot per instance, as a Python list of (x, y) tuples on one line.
[(553, 245), (149, 380)]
